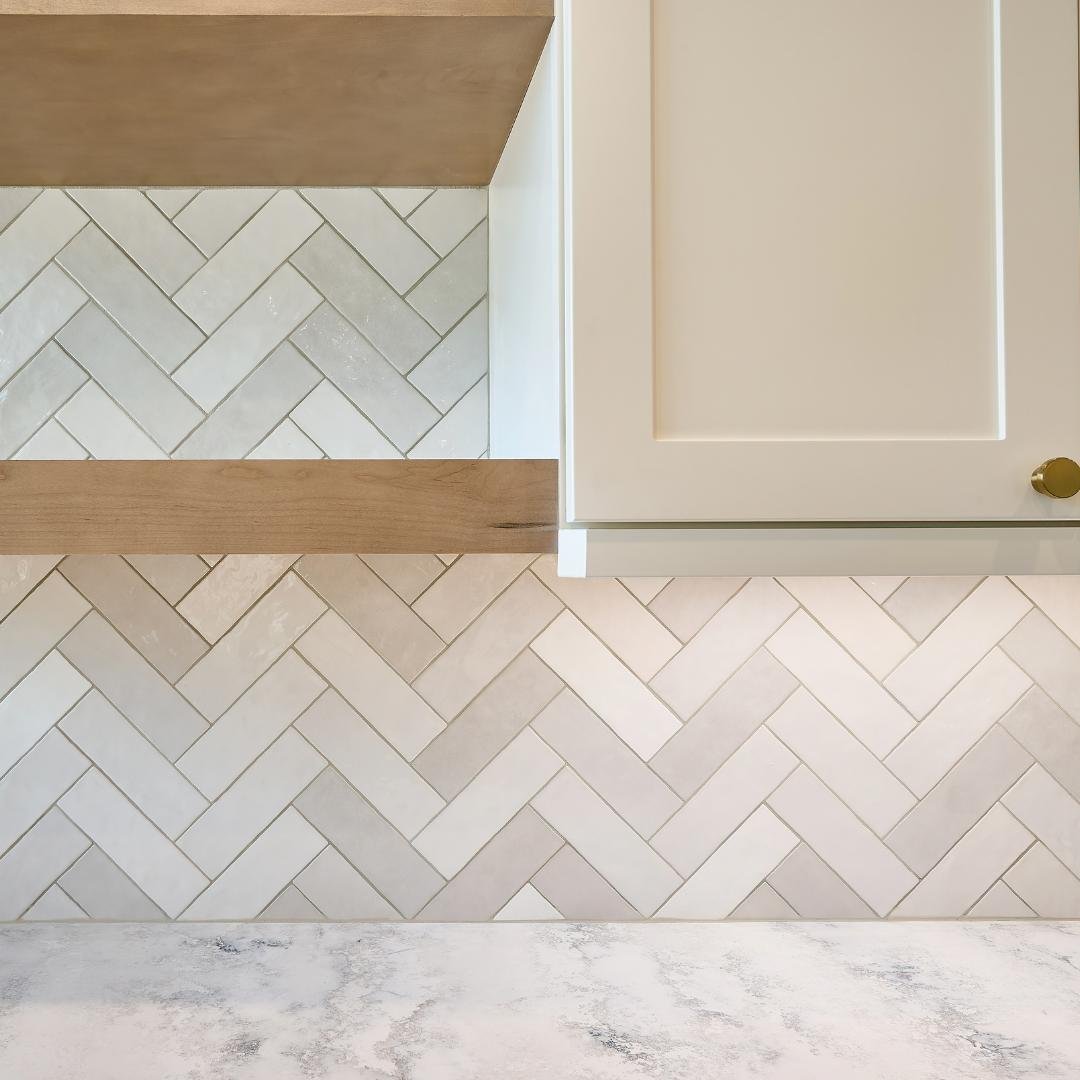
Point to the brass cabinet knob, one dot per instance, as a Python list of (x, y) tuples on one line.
[(1059, 478)]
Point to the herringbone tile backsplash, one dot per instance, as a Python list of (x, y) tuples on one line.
[(431, 737), (253, 322)]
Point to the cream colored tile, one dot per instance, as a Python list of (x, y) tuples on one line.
[(627, 705), (814, 889), (1058, 596), (841, 761), (463, 592), (1050, 812), (573, 809), (251, 725), (32, 629), (370, 685), (854, 620), (487, 804), (735, 791), (1042, 882), (527, 905), (723, 645), (18, 576), (254, 800), (171, 575), (1000, 902), (128, 838), (263, 870), (133, 765), (686, 604), (921, 603), (879, 589), (35, 705), (1045, 731), (977, 861), (954, 727), (369, 764), (646, 589), (339, 892), (487, 646), (229, 590), (638, 639), (137, 611), (957, 645), (846, 690), (1049, 657), (733, 870), (843, 841), (373, 610), (407, 575), (251, 646)]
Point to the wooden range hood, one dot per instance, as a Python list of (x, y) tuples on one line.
[(270, 93)]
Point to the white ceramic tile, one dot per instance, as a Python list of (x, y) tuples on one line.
[(40, 857), (1050, 812), (38, 233)]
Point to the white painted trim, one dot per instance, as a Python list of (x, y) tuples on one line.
[(856, 551)]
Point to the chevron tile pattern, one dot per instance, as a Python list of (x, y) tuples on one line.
[(234, 323), (472, 738)]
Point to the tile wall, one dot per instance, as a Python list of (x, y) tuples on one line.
[(441, 738), (248, 322)]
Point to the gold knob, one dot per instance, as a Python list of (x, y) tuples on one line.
[(1059, 478)]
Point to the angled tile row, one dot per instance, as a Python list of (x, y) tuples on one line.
[(473, 738), (233, 323)]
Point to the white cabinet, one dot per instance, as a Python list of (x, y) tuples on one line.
[(822, 268)]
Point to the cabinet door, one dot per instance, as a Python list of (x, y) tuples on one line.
[(822, 259)]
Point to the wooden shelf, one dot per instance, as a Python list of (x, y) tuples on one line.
[(262, 92), (271, 507)]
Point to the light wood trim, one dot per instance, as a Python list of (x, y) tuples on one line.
[(248, 507), (277, 7), (419, 93)]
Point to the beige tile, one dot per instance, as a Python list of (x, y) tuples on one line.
[(920, 603), (646, 589), (764, 904), (1047, 733), (261, 872), (879, 589), (1058, 596), (35, 782), (254, 800), (1043, 883), (734, 870), (251, 646), (815, 890), (251, 725), (635, 636), (1049, 657), (35, 705), (497, 872), (969, 869), (370, 685), (630, 866), (723, 723), (463, 592), (968, 712), (407, 575), (487, 646), (133, 765), (623, 702), (499, 791), (1050, 812), (957, 645), (688, 603), (133, 686), (735, 791), (32, 629), (156, 865), (373, 610), (229, 590), (1000, 902), (18, 576), (854, 620), (105, 892), (723, 645), (841, 761), (606, 764), (137, 611), (369, 764), (171, 575), (875, 718), (494, 717), (971, 787), (339, 892), (843, 841), (527, 905), (577, 891)]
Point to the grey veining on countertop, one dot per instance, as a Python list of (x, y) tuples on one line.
[(577, 1002)]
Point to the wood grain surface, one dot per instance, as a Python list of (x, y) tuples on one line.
[(248, 507)]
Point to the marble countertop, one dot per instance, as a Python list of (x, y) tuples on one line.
[(797, 1001)]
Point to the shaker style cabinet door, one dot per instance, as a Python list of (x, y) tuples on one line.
[(822, 259)]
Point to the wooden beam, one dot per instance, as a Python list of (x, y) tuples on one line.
[(250, 507), (262, 92)]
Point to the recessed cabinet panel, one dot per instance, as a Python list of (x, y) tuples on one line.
[(821, 259)]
